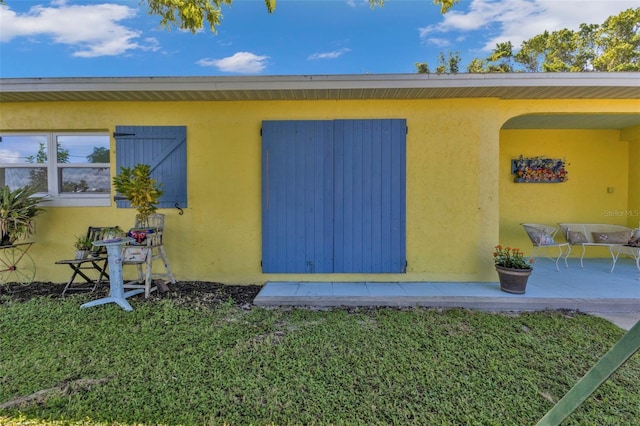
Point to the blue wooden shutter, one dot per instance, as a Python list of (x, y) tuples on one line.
[(164, 148), (370, 193), (297, 196), (333, 196)]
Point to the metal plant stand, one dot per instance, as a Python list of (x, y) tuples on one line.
[(116, 286)]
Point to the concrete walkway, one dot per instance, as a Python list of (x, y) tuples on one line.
[(624, 320), (592, 290)]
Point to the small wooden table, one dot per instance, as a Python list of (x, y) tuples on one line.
[(116, 285)]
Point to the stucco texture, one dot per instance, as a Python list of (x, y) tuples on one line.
[(597, 190), (461, 199)]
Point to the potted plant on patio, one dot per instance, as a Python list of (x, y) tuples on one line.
[(513, 269), (18, 208)]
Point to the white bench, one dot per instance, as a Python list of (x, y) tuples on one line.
[(629, 251), (597, 235)]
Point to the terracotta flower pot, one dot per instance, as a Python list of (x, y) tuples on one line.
[(513, 280)]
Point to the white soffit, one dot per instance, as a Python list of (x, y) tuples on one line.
[(325, 87)]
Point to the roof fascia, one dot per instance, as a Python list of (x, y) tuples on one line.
[(315, 82)]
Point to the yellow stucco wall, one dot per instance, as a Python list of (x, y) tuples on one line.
[(632, 136), (597, 163), (456, 182)]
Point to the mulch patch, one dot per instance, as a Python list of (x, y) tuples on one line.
[(185, 292)]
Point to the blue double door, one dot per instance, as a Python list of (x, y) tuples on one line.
[(334, 196)]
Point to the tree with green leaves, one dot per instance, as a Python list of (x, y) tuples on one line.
[(618, 41), (477, 66), (586, 47), (500, 59), (563, 50), (532, 53), (422, 68), (100, 154), (447, 64), (610, 47), (192, 14)]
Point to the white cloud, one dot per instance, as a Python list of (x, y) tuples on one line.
[(91, 30), (356, 3), (329, 55), (519, 20), (240, 62), (439, 42)]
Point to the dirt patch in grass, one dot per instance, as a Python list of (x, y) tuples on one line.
[(39, 397), (185, 292)]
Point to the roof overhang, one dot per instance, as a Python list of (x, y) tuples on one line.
[(588, 85)]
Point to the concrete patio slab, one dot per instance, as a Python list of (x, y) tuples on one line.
[(592, 289)]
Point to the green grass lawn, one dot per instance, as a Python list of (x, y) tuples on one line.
[(168, 363)]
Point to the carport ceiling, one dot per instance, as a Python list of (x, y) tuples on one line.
[(573, 121)]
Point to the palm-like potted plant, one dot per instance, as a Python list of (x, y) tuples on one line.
[(18, 208), (136, 186), (513, 269)]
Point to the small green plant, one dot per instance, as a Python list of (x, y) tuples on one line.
[(136, 185), (511, 258), (111, 233), (18, 208), (83, 242)]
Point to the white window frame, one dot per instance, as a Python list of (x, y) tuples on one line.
[(55, 198)]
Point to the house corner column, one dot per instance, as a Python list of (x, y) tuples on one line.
[(488, 217)]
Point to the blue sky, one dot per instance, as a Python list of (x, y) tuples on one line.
[(114, 38)]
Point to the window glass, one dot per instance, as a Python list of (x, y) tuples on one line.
[(23, 149), (16, 177), (84, 179), (71, 168), (73, 149), (17, 155)]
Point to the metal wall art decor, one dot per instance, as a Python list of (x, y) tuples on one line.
[(539, 170)]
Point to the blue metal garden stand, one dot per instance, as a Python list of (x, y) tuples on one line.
[(116, 285)]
